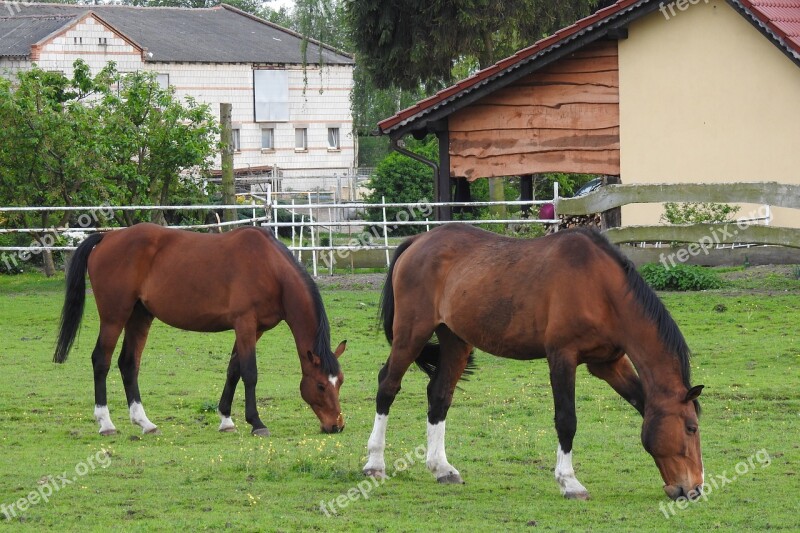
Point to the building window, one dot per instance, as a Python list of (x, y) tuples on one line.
[(77, 40), (237, 144), (333, 139), (271, 95), (301, 139), (163, 81), (102, 41), (267, 138)]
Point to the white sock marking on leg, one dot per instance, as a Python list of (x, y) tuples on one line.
[(436, 460), (377, 444), (103, 417), (226, 424), (139, 418), (565, 474)]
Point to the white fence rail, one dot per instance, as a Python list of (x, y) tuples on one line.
[(315, 228)]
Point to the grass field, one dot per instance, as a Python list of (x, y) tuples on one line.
[(746, 348)]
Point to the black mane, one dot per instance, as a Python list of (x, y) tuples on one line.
[(322, 341), (651, 304)]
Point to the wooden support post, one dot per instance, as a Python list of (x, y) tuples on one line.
[(226, 139), (442, 181), (526, 192), (613, 217)]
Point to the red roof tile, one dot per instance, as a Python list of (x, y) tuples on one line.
[(780, 16)]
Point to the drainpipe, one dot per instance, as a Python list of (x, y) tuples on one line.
[(396, 144)]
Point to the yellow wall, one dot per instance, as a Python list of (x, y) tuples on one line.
[(705, 97)]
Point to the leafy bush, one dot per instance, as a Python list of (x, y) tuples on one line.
[(401, 179), (680, 277), (697, 212)]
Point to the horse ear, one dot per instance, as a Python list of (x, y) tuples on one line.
[(340, 349), (313, 358), (693, 393)]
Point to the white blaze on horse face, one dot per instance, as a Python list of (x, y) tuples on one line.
[(139, 418), (436, 460), (565, 476), (103, 418), (376, 466), (333, 379)]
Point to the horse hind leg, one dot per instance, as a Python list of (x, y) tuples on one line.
[(453, 358), (562, 381), (101, 363), (234, 374), (136, 330)]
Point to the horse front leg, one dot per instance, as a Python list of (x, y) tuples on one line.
[(389, 380), (562, 382), (453, 355)]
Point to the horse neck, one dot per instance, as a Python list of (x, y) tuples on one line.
[(658, 367), (300, 313)]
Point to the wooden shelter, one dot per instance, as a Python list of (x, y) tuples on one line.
[(693, 91)]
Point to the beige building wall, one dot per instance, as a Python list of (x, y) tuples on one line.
[(706, 98)]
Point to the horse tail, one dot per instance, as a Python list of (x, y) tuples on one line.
[(75, 297), (430, 356)]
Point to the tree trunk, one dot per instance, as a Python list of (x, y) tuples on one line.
[(49, 264)]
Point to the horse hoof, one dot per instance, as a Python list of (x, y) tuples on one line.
[(579, 495), (229, 429), (108, 432), (152, 431), (374, 473), (451, 479), (261, 432)]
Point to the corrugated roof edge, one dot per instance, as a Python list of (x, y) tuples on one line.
[(767, 27)]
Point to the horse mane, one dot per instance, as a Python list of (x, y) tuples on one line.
[(651, 304), (322, 341)]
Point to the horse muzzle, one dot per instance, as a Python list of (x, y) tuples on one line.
[(676, 491)]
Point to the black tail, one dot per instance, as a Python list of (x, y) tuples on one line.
[(72, 313), (428, 360)]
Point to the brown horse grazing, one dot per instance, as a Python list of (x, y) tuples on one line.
[(243, 280), (570, 297)]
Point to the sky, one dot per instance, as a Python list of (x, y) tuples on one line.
[(277, 4)]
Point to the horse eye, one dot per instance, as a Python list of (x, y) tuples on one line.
[(321, 386), (691, 429)]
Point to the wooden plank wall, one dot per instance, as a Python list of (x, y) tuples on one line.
[(562, 118)]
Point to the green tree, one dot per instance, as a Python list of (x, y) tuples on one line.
[(398, 178), (156, 145), (49, 133), (412, 43)]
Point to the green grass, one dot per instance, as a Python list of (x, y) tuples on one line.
[(500, 431)]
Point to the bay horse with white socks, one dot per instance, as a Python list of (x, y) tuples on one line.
[(245, 280), (571, 298)]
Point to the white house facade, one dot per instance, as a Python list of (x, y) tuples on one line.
[(288, 120)]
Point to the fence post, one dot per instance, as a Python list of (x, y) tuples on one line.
[(385, 232), (226, 139)]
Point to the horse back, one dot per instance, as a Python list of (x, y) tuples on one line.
[(218, 276), (511, 297)]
